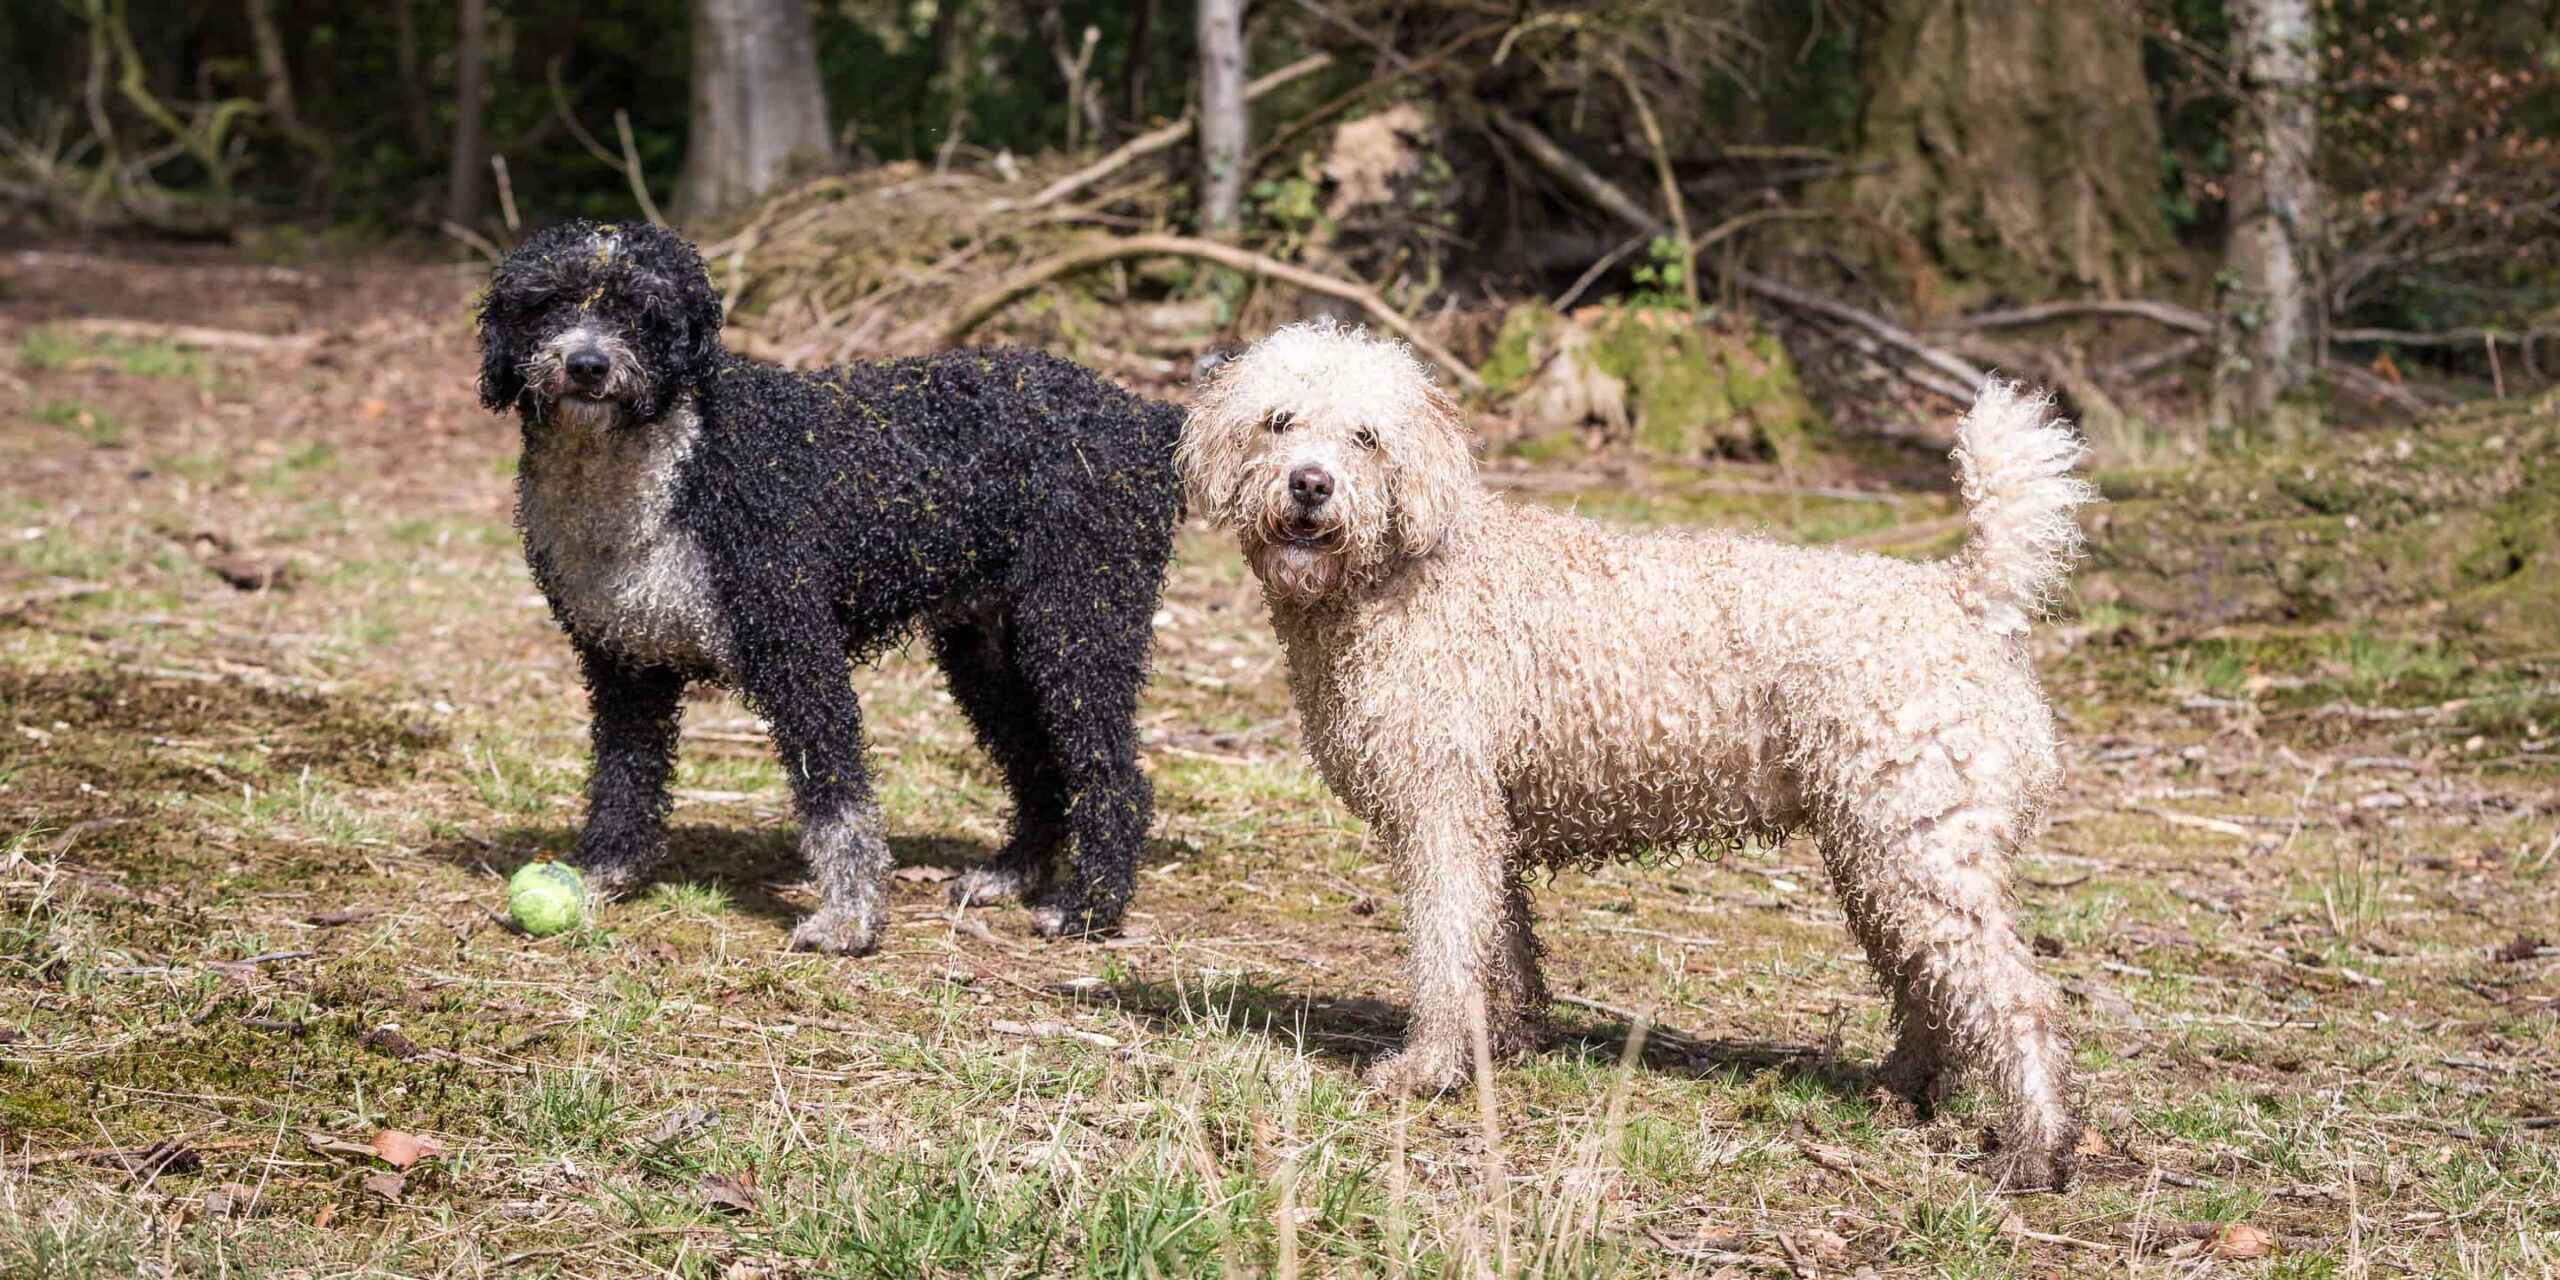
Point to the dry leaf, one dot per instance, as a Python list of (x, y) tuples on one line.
[(2091, 1143), (386, 1040), (2238, 1240), (728, 1194), (252, 570), (231, 1200), (373, 408), (343, 915), (386, 1186), (2525, 947), (400, 1150), (674, 1127), (923, 874), (324, 1214)]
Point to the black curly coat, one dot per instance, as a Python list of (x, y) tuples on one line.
[(692, 514)]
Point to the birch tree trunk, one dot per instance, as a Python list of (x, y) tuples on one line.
[(470, 85), (2275, 204), (1225, 128), (759, 113)]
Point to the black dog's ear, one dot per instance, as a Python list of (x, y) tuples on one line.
[(501, 375), (702, 336), (702, 319)]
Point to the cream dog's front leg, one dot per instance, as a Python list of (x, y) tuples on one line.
[(1450, 859)]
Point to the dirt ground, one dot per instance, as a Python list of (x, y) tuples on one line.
[(279, 707)]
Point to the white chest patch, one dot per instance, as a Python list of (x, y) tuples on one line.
[(597, 506)]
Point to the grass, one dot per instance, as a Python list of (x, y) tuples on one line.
[(50, 349), (104, 430), (250, 850)]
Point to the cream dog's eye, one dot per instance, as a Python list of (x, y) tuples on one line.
[(1279, 422), (1365, 438)]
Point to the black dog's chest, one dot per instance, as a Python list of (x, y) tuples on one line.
[(598, 514)]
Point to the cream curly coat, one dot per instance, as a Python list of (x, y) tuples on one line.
[(1498, 689)]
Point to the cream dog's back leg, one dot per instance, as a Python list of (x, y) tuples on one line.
[(1941, 933), (1916, 1070), (1519, 988)]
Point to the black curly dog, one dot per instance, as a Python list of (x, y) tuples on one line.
[(693, 514)]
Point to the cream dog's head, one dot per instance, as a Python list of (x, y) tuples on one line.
[(1332, 454)]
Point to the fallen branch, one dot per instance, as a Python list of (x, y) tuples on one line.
[(1599, 191), (2182, 319), (2442, 338), (979, 309), (1883, 330), (189, 335), (1925, 379), (2144, 365), (2376, 389), (1155, 140)]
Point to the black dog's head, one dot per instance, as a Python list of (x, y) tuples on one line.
[(597, 325)]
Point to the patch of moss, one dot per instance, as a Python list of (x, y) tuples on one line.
[(1515, 348), (2457, 519), (1692, 389)]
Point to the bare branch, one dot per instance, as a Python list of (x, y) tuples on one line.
[(979, 309), (2182, 319), (1155, 140)]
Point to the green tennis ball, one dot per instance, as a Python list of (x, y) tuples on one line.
[(547, 898)]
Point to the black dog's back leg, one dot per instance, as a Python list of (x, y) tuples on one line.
[(634, 734), (1086, 668), (794, 670), (1002, 707)]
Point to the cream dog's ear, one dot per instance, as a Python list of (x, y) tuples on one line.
[(1217, 435), (1429, 469)]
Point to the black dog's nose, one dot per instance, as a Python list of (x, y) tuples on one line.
[(1310, 485), (588, 367)]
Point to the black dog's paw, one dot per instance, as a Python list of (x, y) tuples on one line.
[(839, 931), (1063, 916), (609, 877), (979, 886)]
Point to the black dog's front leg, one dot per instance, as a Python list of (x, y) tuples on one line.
[(804, 689), (635, 714)]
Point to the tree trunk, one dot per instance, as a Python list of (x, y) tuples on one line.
[(759, 112), (2018, 139), (470, 84), (1225, 129), (1133, 68), (277, 77), (413, 92), (2275, 202)]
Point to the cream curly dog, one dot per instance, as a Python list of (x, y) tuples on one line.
[(1498, 689)]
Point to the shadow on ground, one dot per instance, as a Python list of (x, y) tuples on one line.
[(1356, 1029)]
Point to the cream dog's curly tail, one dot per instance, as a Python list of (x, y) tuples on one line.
[(2013, 463)]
